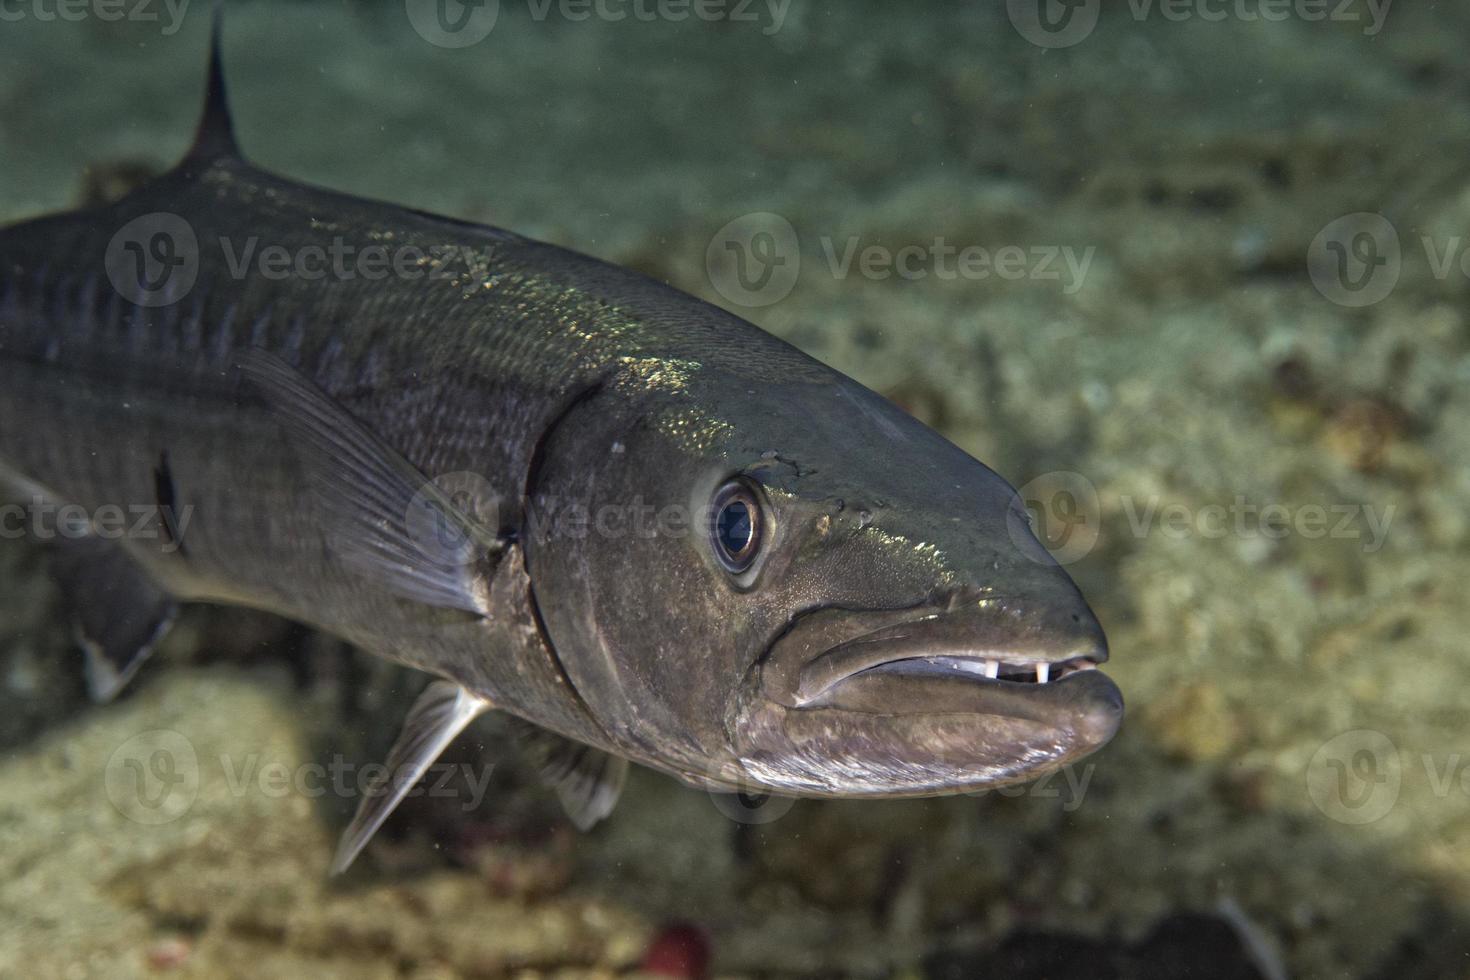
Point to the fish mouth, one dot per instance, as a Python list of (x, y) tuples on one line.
[(924, 702), (991, 642), (991, 669), (927, 647)]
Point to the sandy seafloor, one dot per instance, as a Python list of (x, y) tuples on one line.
[(1226, 831)]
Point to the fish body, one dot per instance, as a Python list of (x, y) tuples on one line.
[(631, 519)]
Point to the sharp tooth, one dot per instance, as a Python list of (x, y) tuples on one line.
[(1043, 671), (992, 668)]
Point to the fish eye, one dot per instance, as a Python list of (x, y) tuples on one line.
[(736, 526)]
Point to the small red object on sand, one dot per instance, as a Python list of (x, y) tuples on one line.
[(678, 950)]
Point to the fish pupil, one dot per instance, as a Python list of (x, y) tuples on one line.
[(735, 528)]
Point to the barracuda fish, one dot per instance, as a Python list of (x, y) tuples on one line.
[(633, 522)]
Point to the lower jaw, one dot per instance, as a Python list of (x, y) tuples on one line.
[(968, 735)]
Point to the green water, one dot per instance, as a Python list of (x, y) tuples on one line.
[(1191, 275)]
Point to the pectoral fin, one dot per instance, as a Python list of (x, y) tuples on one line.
[(118, 613), (440, 713), (588, 781), (389, 521)]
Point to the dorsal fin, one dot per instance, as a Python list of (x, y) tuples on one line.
[(215, 137)]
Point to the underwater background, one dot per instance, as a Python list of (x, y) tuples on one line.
[(1192, 274)]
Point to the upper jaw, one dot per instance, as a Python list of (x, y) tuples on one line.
[(928, 648), (990, 642)]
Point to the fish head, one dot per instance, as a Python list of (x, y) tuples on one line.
[(825, 598)]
